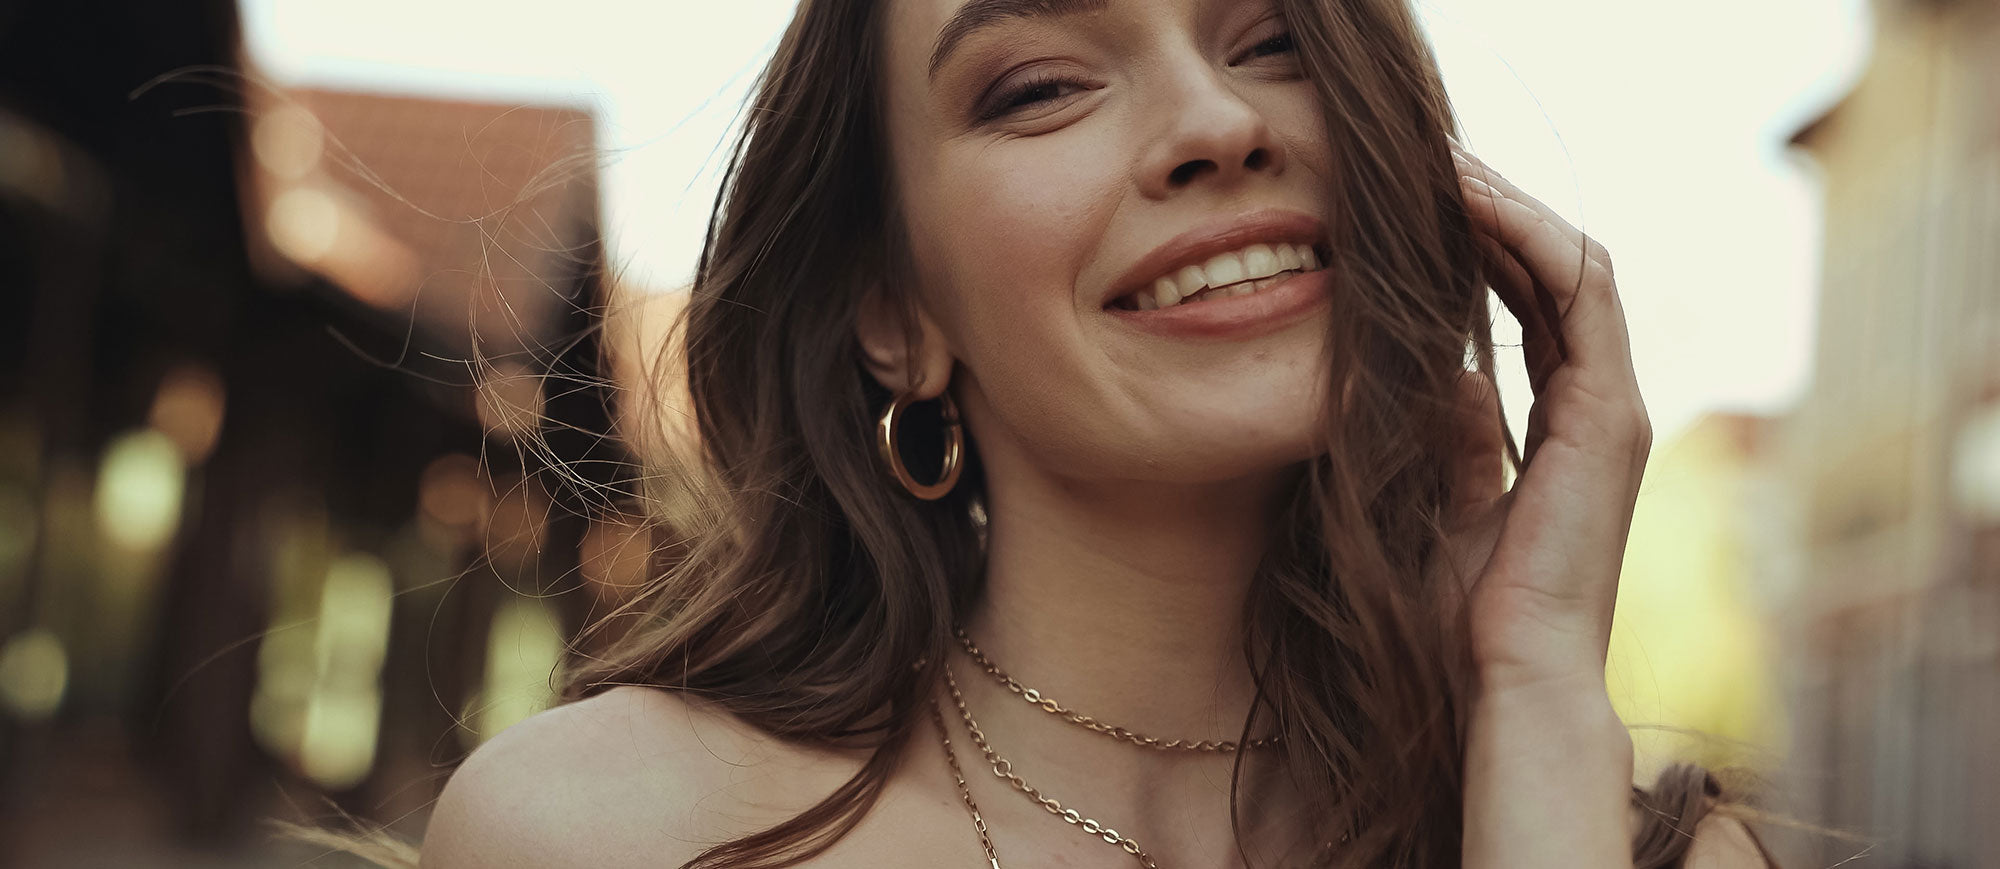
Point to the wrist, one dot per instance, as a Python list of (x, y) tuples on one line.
[(1565, 712), (1578, 685), (1548, 777), (1567, 734)]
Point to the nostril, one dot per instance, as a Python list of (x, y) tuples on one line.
[(1189, 171), (1257, 160)]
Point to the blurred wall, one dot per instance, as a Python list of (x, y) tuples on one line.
[(1891, 630)]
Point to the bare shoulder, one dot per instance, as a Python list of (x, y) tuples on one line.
[(1723, 842), (1720, 842), (633, 776)]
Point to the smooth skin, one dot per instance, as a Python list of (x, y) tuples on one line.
[(1131, 481)]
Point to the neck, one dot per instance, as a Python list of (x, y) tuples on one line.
[(1125, 603)]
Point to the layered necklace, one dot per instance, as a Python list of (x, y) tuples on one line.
[(1003, 769)]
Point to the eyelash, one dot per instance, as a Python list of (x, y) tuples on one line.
[(1283, 39), (1013, 98)]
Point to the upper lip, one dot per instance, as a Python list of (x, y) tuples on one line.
[(1275, 226)]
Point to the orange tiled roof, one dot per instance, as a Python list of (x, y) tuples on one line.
[(489, 208)]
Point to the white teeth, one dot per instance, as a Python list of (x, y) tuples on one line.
[(1226, 275), (1259, 261), (1288, 256), (1190, 280), (1224, 269)]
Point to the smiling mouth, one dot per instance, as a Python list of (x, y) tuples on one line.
[(1241, 272)]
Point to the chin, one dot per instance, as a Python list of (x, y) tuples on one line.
[(1212, 447), (1219, 461), (1182, 419)]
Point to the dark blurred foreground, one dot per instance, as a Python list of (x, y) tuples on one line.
[(263, 550)]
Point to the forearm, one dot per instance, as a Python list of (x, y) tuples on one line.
[(1548, 780)]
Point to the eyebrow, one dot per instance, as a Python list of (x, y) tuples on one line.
[(981, 14)]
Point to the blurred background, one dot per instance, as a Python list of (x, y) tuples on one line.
[(267, 552)]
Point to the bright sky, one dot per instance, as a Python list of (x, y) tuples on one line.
[(1657, 127)]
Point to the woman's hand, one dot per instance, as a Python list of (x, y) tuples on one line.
[(1548, 764), (1541, 602)]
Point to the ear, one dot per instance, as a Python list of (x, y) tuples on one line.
[(902, 346)]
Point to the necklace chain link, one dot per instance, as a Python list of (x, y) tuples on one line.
[(1004, 769), (964, 790), (1048, 704)]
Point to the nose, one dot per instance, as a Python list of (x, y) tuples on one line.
[(1210, 136)]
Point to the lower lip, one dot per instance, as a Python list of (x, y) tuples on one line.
[(1236, 317)]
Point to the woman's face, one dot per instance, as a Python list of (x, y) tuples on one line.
[(1069, 170)]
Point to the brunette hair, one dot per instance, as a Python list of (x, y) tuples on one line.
[(803, 587)]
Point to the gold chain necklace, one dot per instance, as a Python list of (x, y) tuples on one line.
[(1049, 705), (1004, 769), (964, 790)]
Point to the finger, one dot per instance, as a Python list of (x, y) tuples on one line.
[(1587, 322), (1479, 467), (1470, 165), (1512, 281), (1532, 307), (1483, 179), (1540, 347)]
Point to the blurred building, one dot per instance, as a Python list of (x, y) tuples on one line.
[(263, 544), (1892, 629), (1690, 663)]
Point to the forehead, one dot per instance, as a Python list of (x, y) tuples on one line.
[(919, 18), (920, 31)]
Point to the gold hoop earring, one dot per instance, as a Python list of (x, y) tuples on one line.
[(954, 448)]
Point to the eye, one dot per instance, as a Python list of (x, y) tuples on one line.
[(1035, 91), (1276, 47), (1280, 44)]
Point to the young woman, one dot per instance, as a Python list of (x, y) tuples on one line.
[(1095, 413)]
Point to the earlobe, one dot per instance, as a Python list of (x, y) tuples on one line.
[(902, 346)]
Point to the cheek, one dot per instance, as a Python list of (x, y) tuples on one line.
[(1299, 122), (1002, 235), (1007, 283), (1020, 222)]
